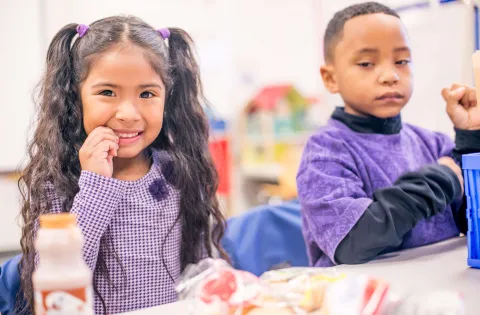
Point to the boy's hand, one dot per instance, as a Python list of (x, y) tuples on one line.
[(97, 152), (462, 106), (448, 161)]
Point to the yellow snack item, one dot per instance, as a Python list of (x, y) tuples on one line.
[(303, 288), (313, 297)]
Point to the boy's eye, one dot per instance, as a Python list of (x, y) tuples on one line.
[(107, 93), (365, 64), (403, 62), (146, 95)]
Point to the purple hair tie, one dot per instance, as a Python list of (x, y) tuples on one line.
[(82, 30), (164, 32)]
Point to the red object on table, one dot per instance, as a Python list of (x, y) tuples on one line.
[(221, 285)]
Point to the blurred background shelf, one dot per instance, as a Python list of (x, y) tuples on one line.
[(262, 172)]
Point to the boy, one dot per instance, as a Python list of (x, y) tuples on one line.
[(369, 184)]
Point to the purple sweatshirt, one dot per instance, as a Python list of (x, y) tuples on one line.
[(342, 170), (129, 220)]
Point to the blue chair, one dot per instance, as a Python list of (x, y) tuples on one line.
[(9, 285), (265, 238)]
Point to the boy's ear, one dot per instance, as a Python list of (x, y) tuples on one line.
[(329, 79)]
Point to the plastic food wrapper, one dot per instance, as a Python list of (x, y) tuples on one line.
[(215, 288), (218, 289)]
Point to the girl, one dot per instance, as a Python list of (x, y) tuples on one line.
[(121, 141)]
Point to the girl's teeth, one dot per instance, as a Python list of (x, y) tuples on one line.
[(127, 135)]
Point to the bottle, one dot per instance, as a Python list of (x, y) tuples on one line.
[(62, 281)]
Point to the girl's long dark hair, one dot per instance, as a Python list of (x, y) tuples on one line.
[(54, 167)]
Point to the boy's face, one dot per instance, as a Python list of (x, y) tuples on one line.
[(371, 66)]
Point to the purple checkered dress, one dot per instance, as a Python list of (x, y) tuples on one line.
[(129, 220)]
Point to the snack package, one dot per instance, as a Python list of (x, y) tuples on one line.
[(218, 289), (357, 295), (302, 289)]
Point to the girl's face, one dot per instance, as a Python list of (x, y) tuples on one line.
[(124, 93)]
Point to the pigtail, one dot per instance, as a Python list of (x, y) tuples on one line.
[(187, 130), (60, 88), (47, 163)]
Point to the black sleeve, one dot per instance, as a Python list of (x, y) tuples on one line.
[(460, 216), (396, 210), (466, 142)]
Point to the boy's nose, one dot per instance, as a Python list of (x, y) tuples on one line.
[(389, 77)]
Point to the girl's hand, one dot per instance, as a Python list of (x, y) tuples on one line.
[(97, 152), (462, 106)]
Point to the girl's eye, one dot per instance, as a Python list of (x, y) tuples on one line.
[(403, 62), (107, 93), (146, 95)]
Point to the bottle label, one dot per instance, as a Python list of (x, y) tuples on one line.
[(61, 302)]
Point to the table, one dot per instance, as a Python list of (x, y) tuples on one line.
[(434, 267), (438, 266), (178, 308)]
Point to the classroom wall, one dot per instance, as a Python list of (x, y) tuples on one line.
[(242, 45), (21, 38), (21, 54)]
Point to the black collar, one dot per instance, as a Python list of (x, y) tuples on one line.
[(370, 124)]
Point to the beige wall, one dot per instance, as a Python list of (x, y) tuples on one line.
[(243, 44)]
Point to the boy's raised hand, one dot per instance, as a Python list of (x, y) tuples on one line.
[(462, 106)]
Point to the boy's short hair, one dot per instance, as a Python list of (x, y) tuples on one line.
[(334, 29)]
